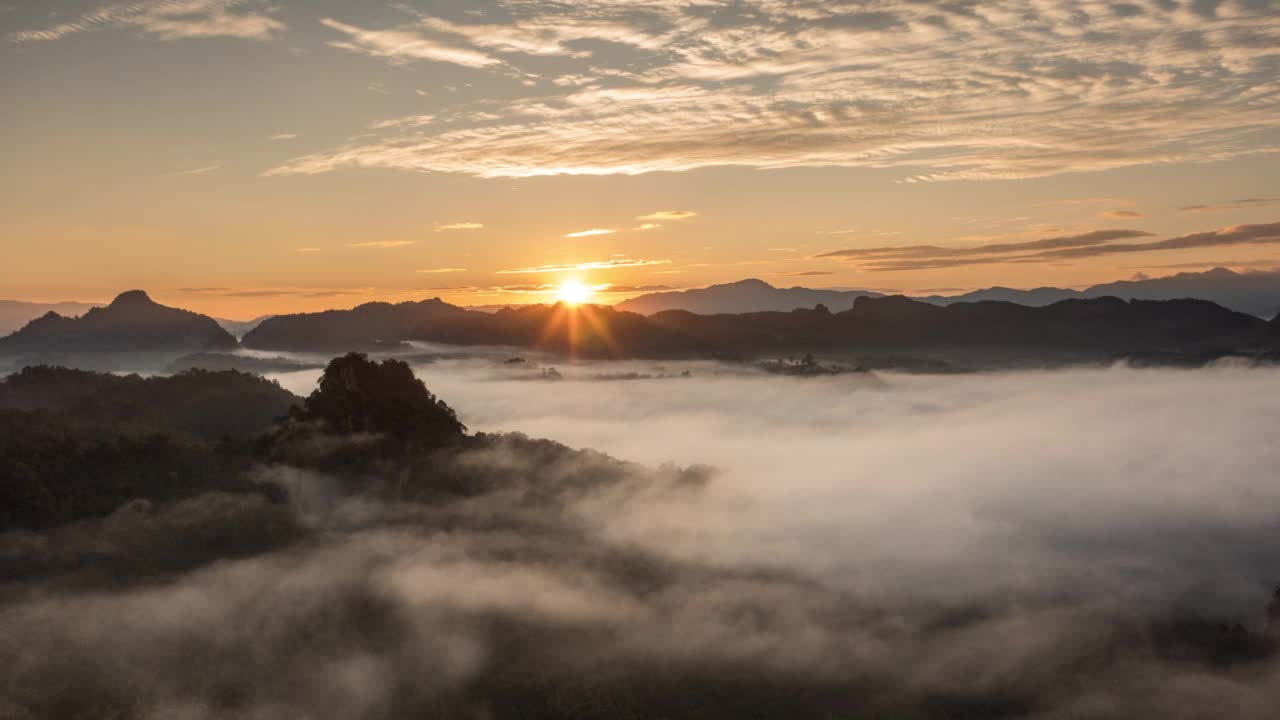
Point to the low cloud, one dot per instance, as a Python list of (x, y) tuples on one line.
[(381, 244), (458, 226), (442, 270), (589, 233), (1094, 244), (1121, 215), (593, 265), (668, 215), (1245, 204), (204, 170)]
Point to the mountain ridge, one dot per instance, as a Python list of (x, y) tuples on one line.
[(132, 322), (1255, 293)]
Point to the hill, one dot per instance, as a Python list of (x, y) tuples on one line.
[(1255, 293), (1099, 327), (133, 322), (751, 295), (16, 313)]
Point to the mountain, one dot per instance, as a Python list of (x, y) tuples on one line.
[(238, 328), (15, 313), (133, 322), (1255, 293), (1038, 297), (744, 296), (1096, 328)]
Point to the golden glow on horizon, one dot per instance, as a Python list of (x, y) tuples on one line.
[(573, 292)]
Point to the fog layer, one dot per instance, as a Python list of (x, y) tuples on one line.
[(1031, 544)]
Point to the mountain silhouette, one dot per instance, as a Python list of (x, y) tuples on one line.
[(1255, 293), (133, 322), (16, 313), (1100, 327), (751, 295)]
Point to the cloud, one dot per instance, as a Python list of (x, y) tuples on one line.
[(1050, 544), (1244, 204), (804, 273), (197, 171), (894, 252), (1027, 88), (170, 20), (307, 249), (648, 226), (403, 46), (381, 244), (1094, 244), (590, 233), (283, 136), (667, 215), (594, 265), (443, 270), (1121, 215), (458, 226)]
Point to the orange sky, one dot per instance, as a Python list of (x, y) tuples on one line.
[(243, 158)]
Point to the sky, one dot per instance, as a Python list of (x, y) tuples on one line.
[(241, 157)]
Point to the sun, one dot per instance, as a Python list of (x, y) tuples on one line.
[(573, 292)]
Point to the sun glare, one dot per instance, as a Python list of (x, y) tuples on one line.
[(573, 292)]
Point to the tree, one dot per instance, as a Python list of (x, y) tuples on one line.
[(359, 395)]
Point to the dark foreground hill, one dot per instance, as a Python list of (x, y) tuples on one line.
[(133, 322), (1101, 327)]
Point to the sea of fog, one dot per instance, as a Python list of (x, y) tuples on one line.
[(1007, 539), (1120, 485)]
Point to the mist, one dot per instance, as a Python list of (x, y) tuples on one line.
[(1018, 544)]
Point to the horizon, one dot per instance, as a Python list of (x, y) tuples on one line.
[(550, 301), (244, 158)]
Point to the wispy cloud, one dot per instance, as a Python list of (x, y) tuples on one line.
[(939, 91), (1121, 215), (283, 136), (1094, 244), (648, 226), (458, 226), (403, 46), (594, 265), (667, 215), (436, 271), (804, 273), (1244, 204), (590, 233), (195, 171), (381, 244), (170, 20)]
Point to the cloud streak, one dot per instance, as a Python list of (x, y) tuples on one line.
[(593, 265), (1075, 247), (936, 91), (170, 20)]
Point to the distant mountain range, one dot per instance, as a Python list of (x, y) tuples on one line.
[(15, 313), (133, 322), (1256, 293), (743, 296), (984, 333), (1079, 328)]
